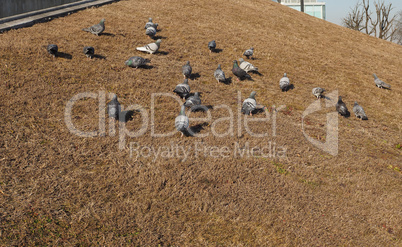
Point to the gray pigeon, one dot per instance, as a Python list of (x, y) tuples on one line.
[(317, 91), (341, 108), (249, 104), (380, 83), (359, 112), (114, 108), (249, 53), (97, 28), (284, 83), (52, 49), (151, 48), (239, 72), (182, 89), (246, 66), (186, 69), (151, 31), (181, 122), (193, 101), (219, 75), (212, 45), (151, 24), (89, 51), (136, 62)]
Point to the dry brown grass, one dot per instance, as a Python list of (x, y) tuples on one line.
[(60, 189)]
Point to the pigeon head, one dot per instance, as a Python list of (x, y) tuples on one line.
[(150, 19), (241, 60), (356, 103), (188, 63), (158, 42), (235, 64), (340, 99), (114, 97), (252, 95), (196, 94), (102, 21), (219, 66), (375, 76), (285, 75), (252, 48), (129, 62), (185, 81)]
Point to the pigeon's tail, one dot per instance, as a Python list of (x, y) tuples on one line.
[(364, 117), (386, 85), (141, 49)]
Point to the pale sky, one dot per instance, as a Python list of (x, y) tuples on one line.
[(338, 9)]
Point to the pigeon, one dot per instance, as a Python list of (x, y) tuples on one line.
[(359, 112), (97, 28), (249, 53), (114, 108), (52, 49), (181, 122), (212, 45), (187, 70), (246, 66), (89, 51), (249, 104), (317, 91), (151, 24), (380, 83), (151, 48), (240, 73), (193, 101), (284, 83), (341, 108), (219, 75), (182, 89), (136, 62), (151, 31)]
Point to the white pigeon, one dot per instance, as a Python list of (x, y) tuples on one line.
[(151, 48), (284, 82), (317, 91), (246, 66)]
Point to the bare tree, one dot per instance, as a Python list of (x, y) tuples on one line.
[(398, 27), (380, 25)]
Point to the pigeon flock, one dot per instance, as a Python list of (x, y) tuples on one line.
[(193, 101)]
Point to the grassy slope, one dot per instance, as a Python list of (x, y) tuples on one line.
[(59, 188)]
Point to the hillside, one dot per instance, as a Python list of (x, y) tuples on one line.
[(57, 188)]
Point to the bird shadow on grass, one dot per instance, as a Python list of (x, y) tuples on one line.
[(126, 116), (99, 56), (108, 34), (156, 37), (146, 67), (217, 50), (193, 130), (258, 111), (194, 76), (164, 53), (201, 108), (291, 87), (257, 73), (64, 55), (228, 81)]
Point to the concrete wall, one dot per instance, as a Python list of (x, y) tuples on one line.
[(15, 7)]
